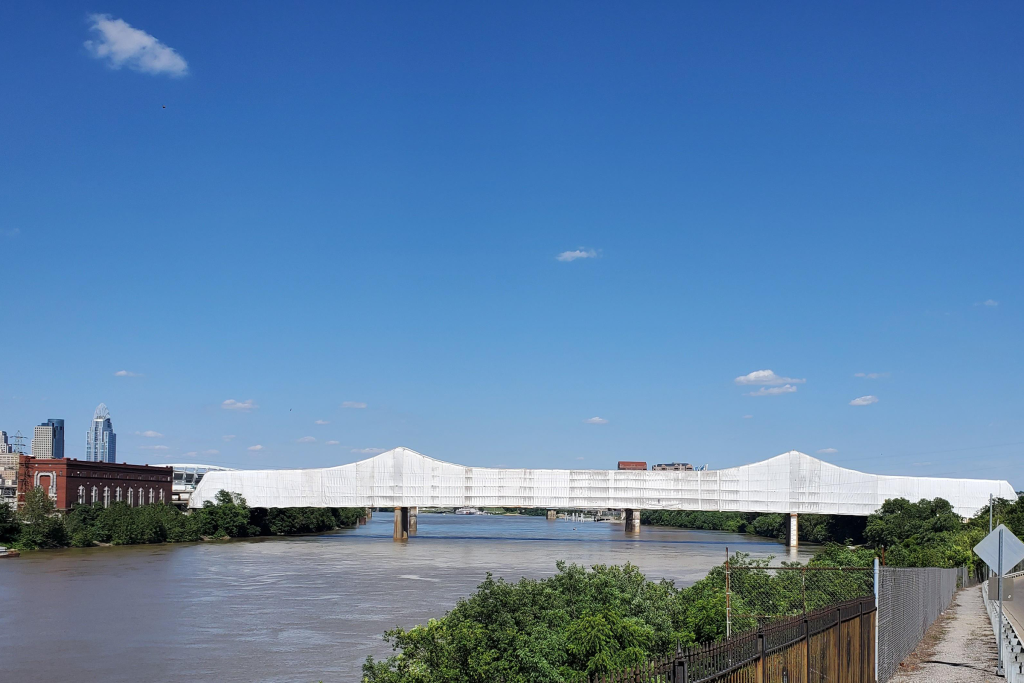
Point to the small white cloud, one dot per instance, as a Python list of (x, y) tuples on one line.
[(121, 45), (353, 404), (257, 447), (242, 406), (190, 454), (13, 232), (766, 378), (596, 421), (827, 451), (988, 303), (747, 417), (212, 451), (368, 451), (773, 391), (580, 457), (228, 437), (332, 443), (864, 401), (871, 375), (582, 252), (154, 448), (322, 422), (149, 433), (126, 373), (307, 439)]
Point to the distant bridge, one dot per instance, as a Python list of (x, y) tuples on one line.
[(791, 483)]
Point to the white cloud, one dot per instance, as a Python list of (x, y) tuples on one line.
[(154, 448), (228, 437), (871, 375), (190, 454), (580, 457), (126, 373), (827, 451), (257, 447), (151, 434), (307, 439), (212, 451), (368, 451), (582, 252), (989, 303), (121, 45), (322, 422), (864, 401), (747, 417), (332, 443), (596, 421), (767, 378), (353, 404), (13, 232), (244, 406), (773, 391)]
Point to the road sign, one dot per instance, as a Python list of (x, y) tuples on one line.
[(988, 549)]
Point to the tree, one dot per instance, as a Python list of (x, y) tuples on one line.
[(10, 526), (41, 526)]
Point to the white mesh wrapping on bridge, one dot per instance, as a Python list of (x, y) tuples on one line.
[(791, 482)]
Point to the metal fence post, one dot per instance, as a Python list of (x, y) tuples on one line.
[(877, 576), (807, 649)]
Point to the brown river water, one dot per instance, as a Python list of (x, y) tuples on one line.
[(300, 609)]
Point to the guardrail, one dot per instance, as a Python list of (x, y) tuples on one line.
[(1007, 639)]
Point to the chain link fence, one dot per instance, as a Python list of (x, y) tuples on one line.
[(909, 601), (758, 596)]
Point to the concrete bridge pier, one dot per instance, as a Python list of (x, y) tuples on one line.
[(632, 521), (414, 512), (552, 515), (401, 524), (794, 530)]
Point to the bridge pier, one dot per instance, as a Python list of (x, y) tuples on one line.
[(794, 530), (413, 514), (632, 521), (552, 515), (401, 524)]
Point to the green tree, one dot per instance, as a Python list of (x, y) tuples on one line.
[(10, 526), (41, 526)]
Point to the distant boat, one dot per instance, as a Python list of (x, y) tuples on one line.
[(469, 511), (4, 552)]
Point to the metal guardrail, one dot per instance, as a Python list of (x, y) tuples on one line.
[(1007, 639)]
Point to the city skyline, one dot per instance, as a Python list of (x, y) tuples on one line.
[(677, 235)]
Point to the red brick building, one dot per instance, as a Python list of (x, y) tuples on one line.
[(72, 482)]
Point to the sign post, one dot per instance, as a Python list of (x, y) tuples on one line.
[(1000, 549)]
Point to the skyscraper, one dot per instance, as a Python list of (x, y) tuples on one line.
[(101, 441), (48, 439)]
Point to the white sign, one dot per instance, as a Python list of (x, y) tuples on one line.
[(988, 549)]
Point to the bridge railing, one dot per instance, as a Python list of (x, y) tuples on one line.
[(1008, 640)]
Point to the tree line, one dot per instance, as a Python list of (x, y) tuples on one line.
[(37, 524), (581, 622)]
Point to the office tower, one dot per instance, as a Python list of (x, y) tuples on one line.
[(101, 442), (48, 440), (8, 456)]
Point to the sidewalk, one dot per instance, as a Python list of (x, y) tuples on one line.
[(958, 648)]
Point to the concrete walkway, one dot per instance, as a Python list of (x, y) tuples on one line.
[(958, 648)]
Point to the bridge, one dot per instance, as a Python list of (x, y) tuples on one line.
[(791, 483)]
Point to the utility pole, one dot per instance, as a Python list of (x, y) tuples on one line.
[(990, 513), (999, 592)]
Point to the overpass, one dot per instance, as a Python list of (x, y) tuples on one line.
[(791, 483)]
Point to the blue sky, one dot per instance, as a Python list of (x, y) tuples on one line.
[(343, 204)]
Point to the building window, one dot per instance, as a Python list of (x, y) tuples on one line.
[(117, 494), (151, 496), (131, 496), (95, 494), (106, 496), (161, 495), (81, 495)]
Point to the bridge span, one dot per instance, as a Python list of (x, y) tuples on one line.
[(790, 483)]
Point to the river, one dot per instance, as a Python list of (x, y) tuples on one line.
[(301, 609)]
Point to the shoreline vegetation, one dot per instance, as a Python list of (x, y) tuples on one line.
[(582, 622), (38, 526)]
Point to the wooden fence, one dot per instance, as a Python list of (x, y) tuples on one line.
[(831, 645)]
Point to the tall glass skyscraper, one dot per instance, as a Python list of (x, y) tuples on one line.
[(48, 440), (101, 441)]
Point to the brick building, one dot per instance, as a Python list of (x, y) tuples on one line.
[(71, 482)]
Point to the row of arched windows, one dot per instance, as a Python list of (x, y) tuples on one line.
[(134, 499)]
